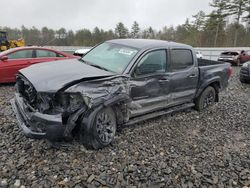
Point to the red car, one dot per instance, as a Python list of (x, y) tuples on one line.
[(244, 56), (17, 58)]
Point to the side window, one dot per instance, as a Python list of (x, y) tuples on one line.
[(21, 54), (45, 53), (181, 59), (59, 55), (152, 62)]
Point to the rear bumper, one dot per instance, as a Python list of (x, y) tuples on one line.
[(35, 124)]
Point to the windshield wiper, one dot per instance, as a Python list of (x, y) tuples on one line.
[(94, 65), (81, 59), (98, 66)]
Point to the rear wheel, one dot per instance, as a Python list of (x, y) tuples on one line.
[(206, 99), (242, 80)]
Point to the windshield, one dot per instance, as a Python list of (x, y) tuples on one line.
[(111, 57)]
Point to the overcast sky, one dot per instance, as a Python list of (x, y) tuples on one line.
[(78, 14)]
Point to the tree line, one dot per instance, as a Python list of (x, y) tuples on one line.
[(227, 25)]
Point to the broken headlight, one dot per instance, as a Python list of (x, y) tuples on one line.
[(88, 101), (70, 101)]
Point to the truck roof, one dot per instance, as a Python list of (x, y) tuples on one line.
[(147, 43)]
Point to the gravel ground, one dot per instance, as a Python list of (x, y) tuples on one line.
[(186, 149)]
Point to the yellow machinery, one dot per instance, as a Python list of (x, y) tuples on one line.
[(6, 44)]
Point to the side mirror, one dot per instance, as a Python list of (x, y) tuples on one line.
[(4, 58), (147, 69)]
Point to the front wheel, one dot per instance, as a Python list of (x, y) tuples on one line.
[(206, 99), (102, 130)]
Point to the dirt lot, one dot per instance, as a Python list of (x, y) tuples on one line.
[(186, 149)]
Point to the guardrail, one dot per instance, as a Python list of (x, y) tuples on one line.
[(208, 53), (214, 53)]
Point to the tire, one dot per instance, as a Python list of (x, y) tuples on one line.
[(102, 130), (242, 80), (206, 99)]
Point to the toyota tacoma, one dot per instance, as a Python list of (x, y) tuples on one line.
[(119, 82)]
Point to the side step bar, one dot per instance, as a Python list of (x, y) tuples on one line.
[(159, 113)]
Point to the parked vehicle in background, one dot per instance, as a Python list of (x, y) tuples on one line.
[(15, 59), (231, 57), (199, 55), (119, 82), (245, 72), (244, 56), (81, 52)]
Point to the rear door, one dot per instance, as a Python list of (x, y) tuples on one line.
[(16, 61), (183, 76), (149, 84)]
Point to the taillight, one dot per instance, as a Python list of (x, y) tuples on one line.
[(230, 71)]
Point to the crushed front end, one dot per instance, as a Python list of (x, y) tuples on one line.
[(44, 114)]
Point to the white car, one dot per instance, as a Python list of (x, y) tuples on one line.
[(81, 52), (199, 54), (231, 57)]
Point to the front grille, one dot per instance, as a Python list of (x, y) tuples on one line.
[(26, 89), (244, 71)]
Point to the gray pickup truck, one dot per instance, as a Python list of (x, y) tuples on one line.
[(117, 83)]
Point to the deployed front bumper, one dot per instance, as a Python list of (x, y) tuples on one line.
[(35, 124)]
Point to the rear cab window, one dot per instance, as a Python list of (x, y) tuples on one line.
[(229, 53), (181, 59)]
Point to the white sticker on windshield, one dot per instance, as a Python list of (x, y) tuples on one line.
[(126, 51)]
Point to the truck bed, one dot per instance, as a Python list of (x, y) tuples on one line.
[(211, 71), (207, 62)]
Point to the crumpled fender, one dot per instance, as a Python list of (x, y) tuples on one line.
[(207, 83), (88, 120)]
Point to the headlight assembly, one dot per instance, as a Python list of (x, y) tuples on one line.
[(70, 101), (88, 101), (75, 101)]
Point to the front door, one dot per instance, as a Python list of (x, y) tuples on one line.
[(16, 61), (149, 84)]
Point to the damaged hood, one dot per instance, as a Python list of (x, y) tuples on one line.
[(53, 76)]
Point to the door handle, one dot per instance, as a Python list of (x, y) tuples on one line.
[(192, 76), (163, 80)]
